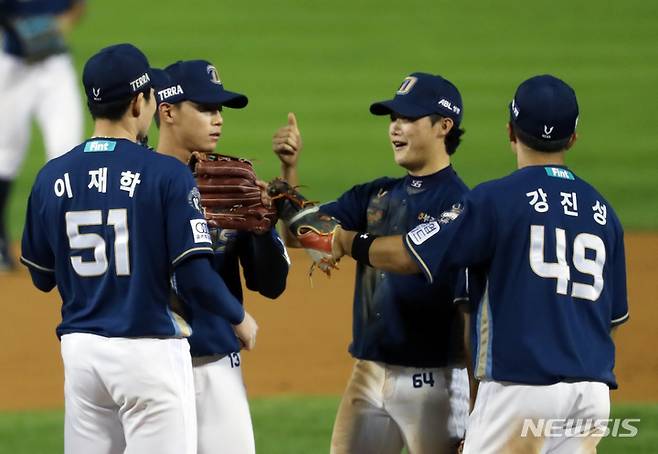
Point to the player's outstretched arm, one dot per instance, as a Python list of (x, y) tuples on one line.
[(385, 253)]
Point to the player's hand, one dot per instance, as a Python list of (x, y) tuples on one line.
[(341, 243), (246, 331), (287, 142)]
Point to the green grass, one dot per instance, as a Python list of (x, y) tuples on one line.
[(289, 425), (327, 61)]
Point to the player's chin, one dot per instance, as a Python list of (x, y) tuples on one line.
[(401, 155), (207, 147)]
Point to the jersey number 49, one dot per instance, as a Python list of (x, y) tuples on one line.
[(560, 270)]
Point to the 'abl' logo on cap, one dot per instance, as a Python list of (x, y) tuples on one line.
[(448, 105), (406, 86)]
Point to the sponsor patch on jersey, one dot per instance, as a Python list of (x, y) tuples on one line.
[(556, 172), (423, 232), (194, 199), (200, 231), (425, 217), (99, 146), (449, 216)]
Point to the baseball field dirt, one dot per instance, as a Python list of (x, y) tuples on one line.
[(303, 337)]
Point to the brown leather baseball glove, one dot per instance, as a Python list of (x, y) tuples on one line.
[(230, 193)]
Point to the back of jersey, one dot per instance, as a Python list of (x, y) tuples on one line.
[(111, 219), (555, 283), (547, 275)]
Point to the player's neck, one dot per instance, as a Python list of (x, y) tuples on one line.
[(439, 161), (114, 129), (169, 146), (526, 157)]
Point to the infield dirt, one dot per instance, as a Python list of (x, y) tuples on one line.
[(303, 337)]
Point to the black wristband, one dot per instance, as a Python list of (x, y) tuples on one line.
[(361, 247)]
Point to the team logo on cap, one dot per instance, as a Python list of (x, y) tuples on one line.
[(406, 86), (547, 131), (515, 110), (214, 75), (97, 93)]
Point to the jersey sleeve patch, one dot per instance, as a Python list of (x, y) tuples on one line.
[(423, 232), (200, 231)]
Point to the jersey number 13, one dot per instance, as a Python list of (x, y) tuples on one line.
[(560, 270)]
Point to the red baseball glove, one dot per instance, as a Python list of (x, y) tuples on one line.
[(313, 230)]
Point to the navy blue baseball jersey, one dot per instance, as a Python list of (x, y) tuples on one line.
[(265, 265), (400, 319), (40, 10), (111, 219), (546, 256)]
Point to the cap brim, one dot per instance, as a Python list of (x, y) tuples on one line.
[(223, 98), (398, 107)]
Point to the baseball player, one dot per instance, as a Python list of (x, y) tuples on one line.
[(409, 387), (37, 80), (546, 255), (107, 223), (190, 99)]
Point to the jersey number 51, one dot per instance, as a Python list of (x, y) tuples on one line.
[(117, 218)]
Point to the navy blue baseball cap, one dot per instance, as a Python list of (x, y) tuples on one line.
[(422, 94), (197, 81), (545, 108), (115, 73)]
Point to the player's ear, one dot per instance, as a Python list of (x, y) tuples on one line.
[(510, 133), (572, 140), (137, 105), (444, 125), (165, 111)]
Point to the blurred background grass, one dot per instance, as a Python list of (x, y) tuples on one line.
[(327, 61)]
